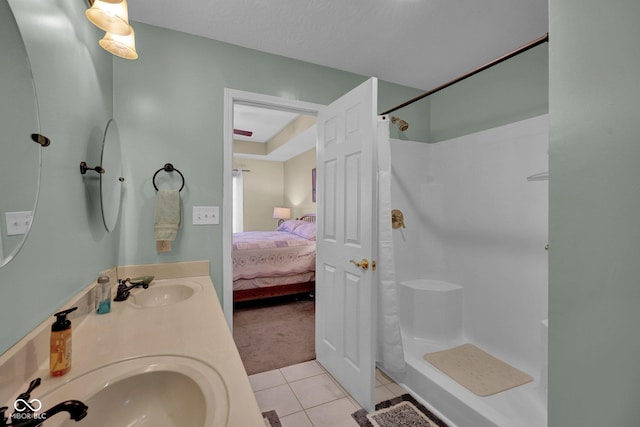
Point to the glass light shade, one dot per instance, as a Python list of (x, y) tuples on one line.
[(282, 213), (122, 46), (111, 16)]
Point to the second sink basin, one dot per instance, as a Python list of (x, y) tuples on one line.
[(158, 391), (160, 294)]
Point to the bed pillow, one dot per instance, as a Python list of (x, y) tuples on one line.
[(306, 230), (290, 225)]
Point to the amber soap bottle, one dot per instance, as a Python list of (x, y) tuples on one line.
[(60, 350)]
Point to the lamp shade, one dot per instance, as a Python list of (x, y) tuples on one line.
[(282, 213), (110, 15), (122, 46)]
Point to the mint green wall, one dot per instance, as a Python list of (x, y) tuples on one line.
[(417, 115), (67, 245), (511, 91), (18, 119), (594, 191), (169, 106)]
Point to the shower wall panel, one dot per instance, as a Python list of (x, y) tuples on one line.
[(408, 174), (494, 230), (473, 219)]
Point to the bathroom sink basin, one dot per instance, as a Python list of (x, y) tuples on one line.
[(159, 391), (158, 295)]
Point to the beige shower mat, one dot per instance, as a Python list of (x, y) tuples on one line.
[(477, 370)]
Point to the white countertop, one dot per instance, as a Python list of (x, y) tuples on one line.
[(195, 327)]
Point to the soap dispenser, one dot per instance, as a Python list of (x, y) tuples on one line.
[(60, 350)]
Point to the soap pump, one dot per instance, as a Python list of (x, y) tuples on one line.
[(60, 355)]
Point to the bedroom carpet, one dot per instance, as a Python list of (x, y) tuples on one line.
[(274, 334)]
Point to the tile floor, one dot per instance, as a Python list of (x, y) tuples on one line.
[(305, 395)]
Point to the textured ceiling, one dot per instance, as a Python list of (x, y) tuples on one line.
[(418, 43), (266, 123), (263, 123)]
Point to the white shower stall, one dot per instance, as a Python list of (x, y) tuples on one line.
[(471, 265)]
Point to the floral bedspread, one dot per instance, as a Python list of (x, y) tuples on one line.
[(271, 253)]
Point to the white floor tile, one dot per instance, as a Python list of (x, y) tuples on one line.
[(356, 404), (310, 387), (316, 390), (299, 419), (333, 414), (382, 378), (302, 370), (382, 394), (280, 398), (338, 384), (396, 389), (266, 380)]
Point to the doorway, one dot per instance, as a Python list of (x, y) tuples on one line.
[(274, 156), (347, 138), (233, 98)]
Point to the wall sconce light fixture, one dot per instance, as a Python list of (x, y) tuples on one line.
[(122, 46), (281, 214), (112, 16)]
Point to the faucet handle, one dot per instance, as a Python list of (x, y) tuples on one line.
[(3, 419), (21, 404), (32, 386)]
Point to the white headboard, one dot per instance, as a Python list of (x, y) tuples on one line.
[(308, 217)]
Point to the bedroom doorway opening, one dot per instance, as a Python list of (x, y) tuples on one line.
[(270, 155), (348, 132)]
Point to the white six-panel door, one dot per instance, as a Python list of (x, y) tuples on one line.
[(346, 235)]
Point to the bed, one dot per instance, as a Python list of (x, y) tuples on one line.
[(275, 263)]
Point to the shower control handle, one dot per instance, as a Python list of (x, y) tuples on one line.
[(364, 264)]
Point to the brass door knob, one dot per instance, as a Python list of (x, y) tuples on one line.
[(364, 264)]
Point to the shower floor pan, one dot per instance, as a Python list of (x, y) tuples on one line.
[(522, 406)]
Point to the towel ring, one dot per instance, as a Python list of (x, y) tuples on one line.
[(168, 167)]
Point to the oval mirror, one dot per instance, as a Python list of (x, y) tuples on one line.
[(20, 156), (111, 179)]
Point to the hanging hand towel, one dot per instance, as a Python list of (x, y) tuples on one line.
[(167, 217)]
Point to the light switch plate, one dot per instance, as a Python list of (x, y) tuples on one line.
[(206, 215), (18, 222)]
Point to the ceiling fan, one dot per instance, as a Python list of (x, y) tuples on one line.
[(242, 132)]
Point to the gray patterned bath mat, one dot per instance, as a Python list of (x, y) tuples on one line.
[(271, 419), (398, 412)]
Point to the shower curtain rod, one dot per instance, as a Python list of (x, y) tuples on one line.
[(497, 61)]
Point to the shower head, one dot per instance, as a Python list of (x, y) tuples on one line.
[(402, 125)]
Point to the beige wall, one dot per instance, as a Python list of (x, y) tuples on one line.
[(297, 183), (263, 190), (271, 184)]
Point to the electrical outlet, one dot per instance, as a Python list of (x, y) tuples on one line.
[(18, 222), (206, 215)]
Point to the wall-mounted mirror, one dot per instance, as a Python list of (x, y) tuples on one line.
[(111, 179), (19, 155)]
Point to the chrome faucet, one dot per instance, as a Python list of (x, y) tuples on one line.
[(123, 291), (25, 415)]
